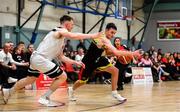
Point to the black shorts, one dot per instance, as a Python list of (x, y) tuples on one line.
[(100, 64), (54, 72)]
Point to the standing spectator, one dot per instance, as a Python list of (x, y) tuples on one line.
[(122, 67)]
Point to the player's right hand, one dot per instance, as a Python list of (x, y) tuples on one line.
[(79, 63)]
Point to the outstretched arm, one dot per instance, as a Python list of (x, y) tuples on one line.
[(76, 36), (70, 61), (116, 52)]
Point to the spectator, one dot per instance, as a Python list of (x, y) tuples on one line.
[(158, 67), (11, 47), (22, 68), (122, 67), (30, 50), (160, 51), (7, 67), (81, 45), (80, 54), (22, 45), (151, 50), (68, 47), (145, 61)]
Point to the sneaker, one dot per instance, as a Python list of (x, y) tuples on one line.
[(71, 94), (128, 74), (11, 80), (119, 97), (47, 102), (166, 73), (6, 94)]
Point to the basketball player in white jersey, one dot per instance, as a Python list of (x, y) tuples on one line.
[(41, 60)]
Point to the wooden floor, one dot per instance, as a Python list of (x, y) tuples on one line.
[(159, 97)]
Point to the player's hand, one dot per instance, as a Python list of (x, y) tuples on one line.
[(26, 64), (13, 67), (137, 53), (79, 63)]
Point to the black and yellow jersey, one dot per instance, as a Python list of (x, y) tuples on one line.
[(93, 59)]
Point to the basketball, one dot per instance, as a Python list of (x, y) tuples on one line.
[(125, 59)]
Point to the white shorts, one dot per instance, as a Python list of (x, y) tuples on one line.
[(39, 63)]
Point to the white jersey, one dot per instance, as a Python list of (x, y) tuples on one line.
[(51, 46)]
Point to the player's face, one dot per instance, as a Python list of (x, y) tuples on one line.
[(110, 33), (69, 25)]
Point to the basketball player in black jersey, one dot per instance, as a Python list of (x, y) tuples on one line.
[(95, 59)]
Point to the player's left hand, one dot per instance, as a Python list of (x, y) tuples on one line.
[(137, 53)]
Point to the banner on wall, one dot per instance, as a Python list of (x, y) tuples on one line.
[(168, 30), (142, 75)]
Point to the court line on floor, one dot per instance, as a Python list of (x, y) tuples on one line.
[(103, 107)]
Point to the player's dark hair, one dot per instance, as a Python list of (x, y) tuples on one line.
[(111, 25), (65, 18)]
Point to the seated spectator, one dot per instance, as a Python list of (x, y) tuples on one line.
[(145, 61), (158, 67), (11, 47), (22, 68), (79, 55), (151, 50), (81, 45), (178, 63), (22, 45), (7, 67), (30, 49), (68, 48)]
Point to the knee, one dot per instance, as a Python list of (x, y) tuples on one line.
[(116, 70), (31, 79)]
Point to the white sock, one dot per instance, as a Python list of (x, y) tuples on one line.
[(47, 94), (114, 92), (71, 88)]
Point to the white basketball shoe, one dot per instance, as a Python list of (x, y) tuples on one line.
[(118, 97), (6, 93), (47, 102)]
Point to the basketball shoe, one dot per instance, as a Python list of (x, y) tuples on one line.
[(118, 97), (47, 102), (6, 93)]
